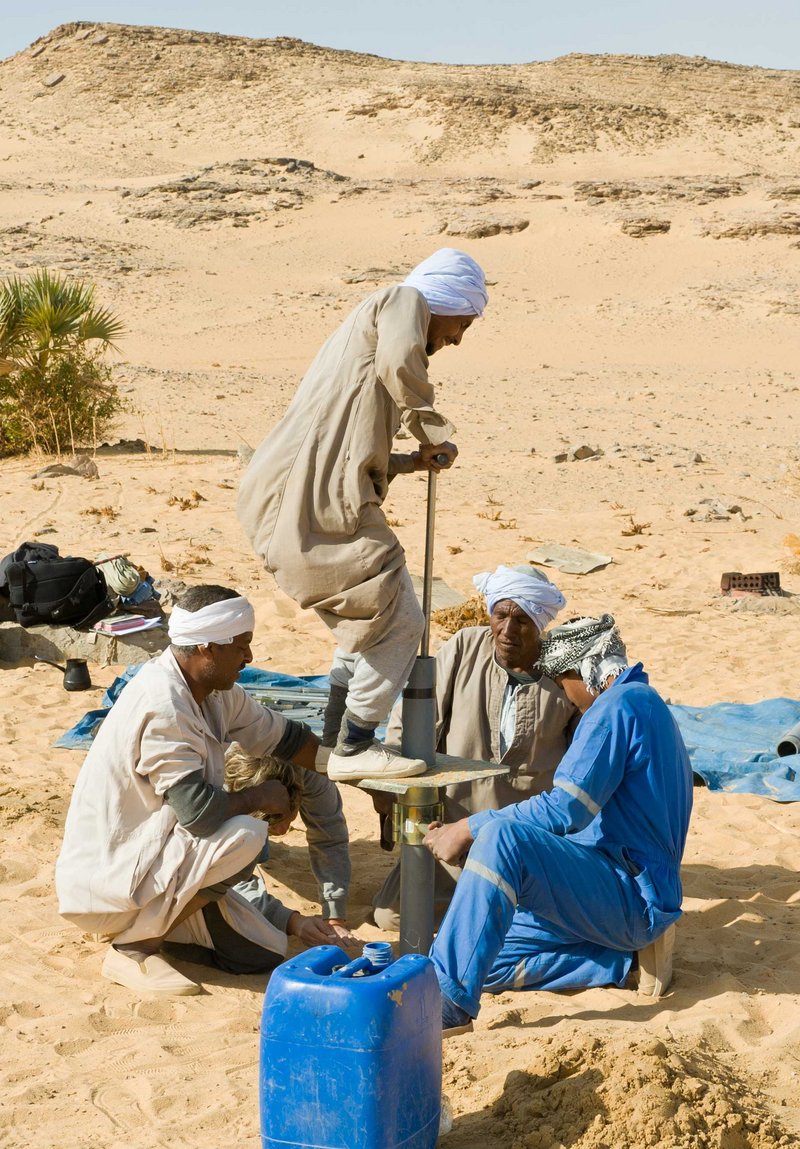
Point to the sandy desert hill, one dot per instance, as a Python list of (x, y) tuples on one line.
[(639, 222)]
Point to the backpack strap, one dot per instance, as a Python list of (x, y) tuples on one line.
[(15, 573)]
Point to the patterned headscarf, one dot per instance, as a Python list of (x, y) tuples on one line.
[(590, 646), (451, 282)]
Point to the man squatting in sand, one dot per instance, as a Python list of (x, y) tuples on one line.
[(493, 704), (153, 845), (310, 500), (562, 890)]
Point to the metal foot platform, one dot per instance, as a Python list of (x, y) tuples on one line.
[(416, 803)]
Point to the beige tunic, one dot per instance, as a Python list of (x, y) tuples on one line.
[(127, 867), (469, 697), (311, 496)]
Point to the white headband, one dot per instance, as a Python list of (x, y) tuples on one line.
[(220, 623)]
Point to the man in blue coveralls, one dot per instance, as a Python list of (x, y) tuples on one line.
[(562, 891)]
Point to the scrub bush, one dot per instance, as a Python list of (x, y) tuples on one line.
[(55, 390)]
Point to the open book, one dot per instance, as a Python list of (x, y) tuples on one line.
[(126, 623)]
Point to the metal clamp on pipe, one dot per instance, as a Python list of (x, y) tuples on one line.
[(412, 815)]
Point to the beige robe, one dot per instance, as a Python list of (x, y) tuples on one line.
[(310, 500), (127, 867), (469, 697)]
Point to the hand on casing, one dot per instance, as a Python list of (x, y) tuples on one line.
[(448, 843)]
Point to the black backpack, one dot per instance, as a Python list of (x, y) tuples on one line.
[(42, 587)]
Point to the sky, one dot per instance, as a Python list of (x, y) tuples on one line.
[(456, 31)]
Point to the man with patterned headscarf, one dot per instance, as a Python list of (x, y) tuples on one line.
[(310, 500), (493, 704), (567, 889), (154, 847)]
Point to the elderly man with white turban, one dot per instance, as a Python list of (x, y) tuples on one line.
[(567, 889), (493, 704), (153, 845), (310, 500)]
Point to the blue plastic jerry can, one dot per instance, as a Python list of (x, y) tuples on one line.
[(351, 1052)]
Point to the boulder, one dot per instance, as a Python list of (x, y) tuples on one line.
[(641, 228), (479, 227), (18, 644)]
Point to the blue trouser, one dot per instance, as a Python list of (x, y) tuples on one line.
[(535, 910)]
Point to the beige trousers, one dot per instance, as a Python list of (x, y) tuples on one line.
[(375, 676)]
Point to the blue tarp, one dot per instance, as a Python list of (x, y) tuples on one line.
[(301, 698), (731, 745)]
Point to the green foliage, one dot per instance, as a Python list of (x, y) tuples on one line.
[(55, 391)]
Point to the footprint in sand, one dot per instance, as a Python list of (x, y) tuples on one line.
[(108, 1026), (27, 1008), (71, 1048), (158, 1011), (119, 1106), (37, 892), (14, 872), (60, 964)]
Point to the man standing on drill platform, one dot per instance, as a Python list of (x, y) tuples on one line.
[(310, 500)]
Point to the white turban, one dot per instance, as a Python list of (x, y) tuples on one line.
[(451, 282), (528, 588), (220, 622)]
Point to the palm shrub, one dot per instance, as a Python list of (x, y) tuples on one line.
[(55, 388)]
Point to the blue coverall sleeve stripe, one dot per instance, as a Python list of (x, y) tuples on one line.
[(587, 776), (576, 792)]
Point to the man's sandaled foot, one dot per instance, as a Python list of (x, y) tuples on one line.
[(374, 761), (455, 1020), (455, 1030), (655, 965), (153, 975)]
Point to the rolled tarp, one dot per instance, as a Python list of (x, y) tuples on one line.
[(790, 741)]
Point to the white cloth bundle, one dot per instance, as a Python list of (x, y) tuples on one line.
[(528, 588), (451, 282), (220, 622)]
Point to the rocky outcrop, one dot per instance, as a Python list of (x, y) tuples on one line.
[(238, 192), (478, 227)]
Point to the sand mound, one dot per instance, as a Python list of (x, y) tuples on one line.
[(585, 1092)]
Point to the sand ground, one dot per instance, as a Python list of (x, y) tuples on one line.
[(156, 167)]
